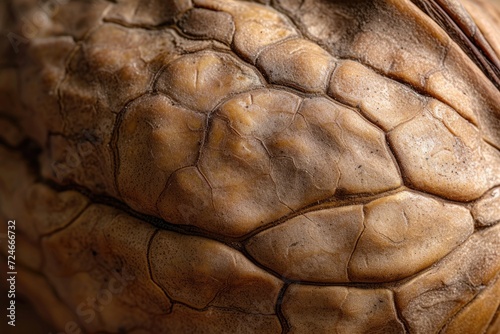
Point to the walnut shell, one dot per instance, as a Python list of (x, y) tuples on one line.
[(225, 166)]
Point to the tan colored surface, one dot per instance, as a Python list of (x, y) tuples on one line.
[(314, 309), (383, 101), (487, 209), (452, 284), (314, 247), (221, 166), (374, 243), (443, 154), (396, 226), (289, 63)]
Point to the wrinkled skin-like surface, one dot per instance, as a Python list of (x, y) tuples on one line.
[(218, 166)]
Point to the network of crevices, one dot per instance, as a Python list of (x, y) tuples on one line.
[(238, 243), (29, 157), (303, 93)]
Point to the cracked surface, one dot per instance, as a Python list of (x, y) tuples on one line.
[(234, 166), (332, 309)]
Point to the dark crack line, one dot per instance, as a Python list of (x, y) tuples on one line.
[(204, 140), (351, 284), (348, 266), (256, 263), (420, 91), (494, 319), (409, 184), (492, 144), (155, 221), (397, 164), (328, 203), (399, 314), (285, 326), (68, 224), (114, 138), (425, 110), (150, 270), (450, 317), (59, 93), (474, 45), (221, 308), (478, 290)]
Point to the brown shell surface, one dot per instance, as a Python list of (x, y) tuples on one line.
[(220, 166)]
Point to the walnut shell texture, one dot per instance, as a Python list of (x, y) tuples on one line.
[(227, 166)]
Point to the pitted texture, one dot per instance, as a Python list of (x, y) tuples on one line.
[(277, 166)]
